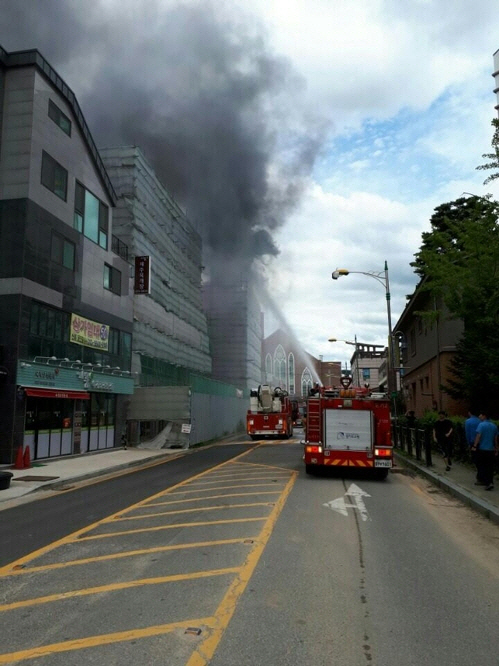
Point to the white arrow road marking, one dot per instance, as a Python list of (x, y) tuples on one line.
[(338, 505), (356, 494)]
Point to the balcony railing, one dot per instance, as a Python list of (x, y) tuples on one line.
[(119, 248)]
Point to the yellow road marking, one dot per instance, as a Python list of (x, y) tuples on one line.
[(244, 464), (74, 535), (129, 553), (158, 528), (202, 655), (104, 639), (210, 497), (244, 472), (195, 510), (231, 477), (202, 490), (114, 587), (225, 609)]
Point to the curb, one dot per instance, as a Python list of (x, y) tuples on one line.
[(481, 506), (54, 485)]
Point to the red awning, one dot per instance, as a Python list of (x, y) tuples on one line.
[(57, 393)]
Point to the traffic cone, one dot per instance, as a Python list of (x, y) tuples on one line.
[(19, 464), (26, 458)]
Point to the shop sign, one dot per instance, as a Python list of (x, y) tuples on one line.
[(89, 333), (142, 283), (71, 379), (91, 382)]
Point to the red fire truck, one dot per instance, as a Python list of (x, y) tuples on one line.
[(270, 414), (348, 427)]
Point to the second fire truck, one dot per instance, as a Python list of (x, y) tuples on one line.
[(270, 414)]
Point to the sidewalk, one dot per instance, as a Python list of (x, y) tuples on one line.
[(459, 482), (60, 472)]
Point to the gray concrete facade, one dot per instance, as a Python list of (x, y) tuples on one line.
[(169, 323)]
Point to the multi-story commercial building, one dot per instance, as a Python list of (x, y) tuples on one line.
[(65, 303)]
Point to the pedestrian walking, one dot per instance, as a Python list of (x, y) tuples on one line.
[(470, 426), (487, 447), (442, 435), (411, 419)]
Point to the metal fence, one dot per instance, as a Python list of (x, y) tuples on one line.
[(418, 443)]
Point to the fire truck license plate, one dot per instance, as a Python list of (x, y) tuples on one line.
[(382, 463)]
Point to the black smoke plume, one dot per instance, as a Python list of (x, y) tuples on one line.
[(195, 86)]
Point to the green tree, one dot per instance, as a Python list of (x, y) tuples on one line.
[(493, 157), (458, 261)]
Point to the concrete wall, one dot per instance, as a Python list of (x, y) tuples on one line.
[(215, 416), (210, 416)]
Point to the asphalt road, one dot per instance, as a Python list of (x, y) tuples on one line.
[(240, 558), (25, 528)]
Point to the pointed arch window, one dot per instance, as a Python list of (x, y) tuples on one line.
[(268, 368), (280, 367), (306, 382), (291, 374)]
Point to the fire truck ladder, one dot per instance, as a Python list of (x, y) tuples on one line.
[(314, 419)]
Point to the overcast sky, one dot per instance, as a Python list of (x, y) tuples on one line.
[(304, 135)]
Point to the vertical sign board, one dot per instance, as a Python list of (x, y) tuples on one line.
[(142, 275)]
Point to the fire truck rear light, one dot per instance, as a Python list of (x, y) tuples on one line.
[(251, 422), (313, 449), (383, 452)]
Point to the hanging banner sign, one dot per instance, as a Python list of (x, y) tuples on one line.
[(142, 283), (89, 333)]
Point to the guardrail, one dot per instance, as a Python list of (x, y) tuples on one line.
[(415, 442)]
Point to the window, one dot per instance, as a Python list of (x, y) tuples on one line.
[(306, 382), (91, 216), (62, 251), (366, 373), (291, 374), (49, 332), (48, 323), (54, 176), (268, 367), (112, 279), (280, 367), (59, 118), (114, 342)]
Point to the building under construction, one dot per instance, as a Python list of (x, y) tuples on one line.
[(175, 395), (235, 329)]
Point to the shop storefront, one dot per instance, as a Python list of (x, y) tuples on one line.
[(70, 407)]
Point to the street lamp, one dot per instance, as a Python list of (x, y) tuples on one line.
[(382, 278)]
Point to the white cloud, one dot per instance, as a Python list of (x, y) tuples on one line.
[(410, 90)]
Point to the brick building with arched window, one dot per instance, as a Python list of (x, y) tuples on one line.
[(286, 364)]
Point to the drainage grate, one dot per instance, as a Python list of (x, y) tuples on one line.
[(195, 631), (35, 478)]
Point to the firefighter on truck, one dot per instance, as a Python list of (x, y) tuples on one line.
[(348, 427)]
